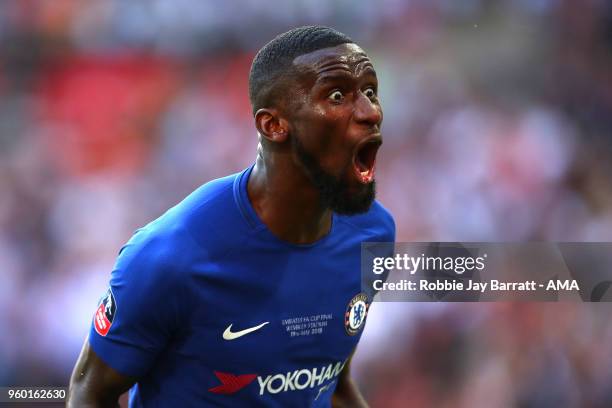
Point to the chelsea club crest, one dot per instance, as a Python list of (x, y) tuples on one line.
[(356, 313)]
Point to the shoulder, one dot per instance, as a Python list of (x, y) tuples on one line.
[(377, 221), (206, 222)]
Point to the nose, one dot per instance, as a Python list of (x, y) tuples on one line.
[(366, 111)]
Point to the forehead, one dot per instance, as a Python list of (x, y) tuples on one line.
[(344, 56)]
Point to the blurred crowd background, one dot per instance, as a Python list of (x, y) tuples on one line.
[(498, 127)]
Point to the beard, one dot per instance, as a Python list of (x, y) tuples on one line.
[(335, 192)]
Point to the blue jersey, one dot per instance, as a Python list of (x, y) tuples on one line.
[(206, 307)]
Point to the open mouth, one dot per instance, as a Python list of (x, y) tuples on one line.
[(365, 159)]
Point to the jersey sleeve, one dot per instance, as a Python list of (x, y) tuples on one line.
[(141, 309)]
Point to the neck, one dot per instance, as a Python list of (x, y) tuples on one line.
[(286, 201)]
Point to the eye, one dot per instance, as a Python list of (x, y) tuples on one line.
[(370, 93), (336, 96)]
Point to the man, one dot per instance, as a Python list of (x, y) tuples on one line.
[(248, 293)]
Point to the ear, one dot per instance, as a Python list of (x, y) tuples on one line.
[(271, 125)]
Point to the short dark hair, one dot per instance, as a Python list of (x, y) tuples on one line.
[(275, 59)]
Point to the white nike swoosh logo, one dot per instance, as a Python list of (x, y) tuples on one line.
[(228, 334)]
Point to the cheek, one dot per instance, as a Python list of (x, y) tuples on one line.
[(327, 128)]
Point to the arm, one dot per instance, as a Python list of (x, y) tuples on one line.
[(347, 394), (94, 384)]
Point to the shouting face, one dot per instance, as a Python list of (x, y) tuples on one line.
[(335, 122)]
